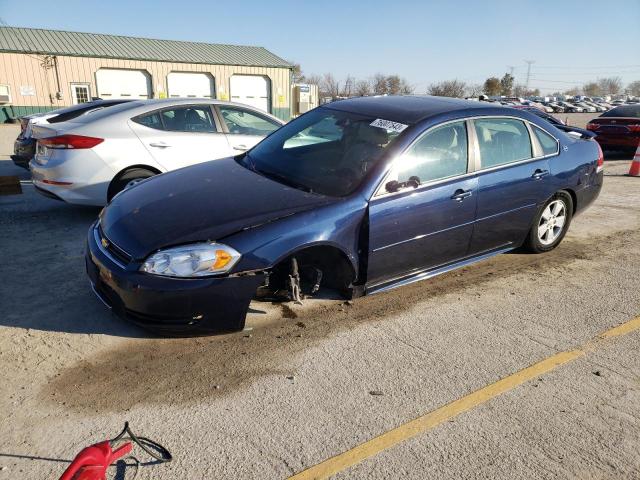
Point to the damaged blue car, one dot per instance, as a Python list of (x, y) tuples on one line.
[(360, 196)]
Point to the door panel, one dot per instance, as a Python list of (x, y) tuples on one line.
[(511, 187), (507, 203), (420, 230), (181, 136)]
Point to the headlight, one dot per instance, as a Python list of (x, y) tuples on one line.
[(196, 260)]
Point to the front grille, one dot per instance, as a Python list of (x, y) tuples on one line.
[(114, 251)]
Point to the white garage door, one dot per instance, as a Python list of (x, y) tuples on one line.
[(251, 90), (195, 85), (114, 83)]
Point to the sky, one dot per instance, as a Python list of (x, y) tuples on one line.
[(569, 41)]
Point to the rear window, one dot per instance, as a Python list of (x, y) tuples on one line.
[(549, 144), (66, 116), (632, 111)]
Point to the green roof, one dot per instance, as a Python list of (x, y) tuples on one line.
[(77, 44)]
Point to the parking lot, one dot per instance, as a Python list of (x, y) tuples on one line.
[(305, 384)]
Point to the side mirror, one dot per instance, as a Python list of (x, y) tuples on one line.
[(392, 186)]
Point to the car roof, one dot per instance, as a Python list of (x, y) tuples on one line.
[(408, 109)]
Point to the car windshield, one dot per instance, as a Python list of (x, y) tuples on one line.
[(632, 111), (325, 151)]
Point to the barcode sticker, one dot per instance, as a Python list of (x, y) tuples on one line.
[(388, 125)]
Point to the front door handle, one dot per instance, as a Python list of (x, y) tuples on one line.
[(159, 144), (242, 148), (539, 173), (460, 195)]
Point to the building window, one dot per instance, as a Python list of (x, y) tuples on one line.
[(80, 93)]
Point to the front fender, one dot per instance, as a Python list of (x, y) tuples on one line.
[(336, 225)]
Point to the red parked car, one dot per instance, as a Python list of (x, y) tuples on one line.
[(618, 129)]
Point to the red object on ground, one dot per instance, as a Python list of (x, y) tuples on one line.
[(634, 170), (92, 462)]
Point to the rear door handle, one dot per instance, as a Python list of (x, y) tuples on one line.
[(539, 173), (159, 144), (460, 195), (242, 148)]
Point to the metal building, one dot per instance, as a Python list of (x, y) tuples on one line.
[(42, 70)]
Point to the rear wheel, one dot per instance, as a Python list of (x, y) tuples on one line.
[(551, 224), (128, 179)]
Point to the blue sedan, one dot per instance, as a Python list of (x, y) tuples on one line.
[(360, 196)]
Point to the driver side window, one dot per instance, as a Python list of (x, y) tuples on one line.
[(441, 153)]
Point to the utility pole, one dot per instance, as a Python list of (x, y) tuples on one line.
[(528, 62), (511, 69)]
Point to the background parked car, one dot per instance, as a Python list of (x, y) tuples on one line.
[(571, 108), (618, 129), (24, 148), (91, 158)]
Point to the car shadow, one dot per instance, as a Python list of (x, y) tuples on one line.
[(44, 284)]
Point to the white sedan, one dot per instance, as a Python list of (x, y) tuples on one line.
[(92, 158)]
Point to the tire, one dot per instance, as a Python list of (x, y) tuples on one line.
[(127, 179), (546, 233)]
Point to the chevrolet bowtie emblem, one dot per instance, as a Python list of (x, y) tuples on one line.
[(104, 242)]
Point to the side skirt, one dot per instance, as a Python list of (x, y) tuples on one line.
[(426, 274)]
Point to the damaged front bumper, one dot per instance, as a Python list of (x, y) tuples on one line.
[(169, 306)]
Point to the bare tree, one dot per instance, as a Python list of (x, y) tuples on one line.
[(329, 86), (296, 73), (405, 87), (448, 88), (313, 79), (592, 89), (362, 88), (393, 84), (349, 85), (634, 88), (379, 84), (474, 90), (610, 85)]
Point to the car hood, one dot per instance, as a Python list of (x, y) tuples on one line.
[(205, 202)]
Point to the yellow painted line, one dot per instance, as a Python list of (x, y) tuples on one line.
[(432, 419)]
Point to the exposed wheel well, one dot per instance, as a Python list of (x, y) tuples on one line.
[(337, 271)]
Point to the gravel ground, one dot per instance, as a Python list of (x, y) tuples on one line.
[(295, 389)]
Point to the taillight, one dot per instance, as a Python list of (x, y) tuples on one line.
[(70, 141), (634, 128), (600, 166), (592, 126)]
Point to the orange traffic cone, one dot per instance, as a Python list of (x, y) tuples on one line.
[(634, 171)]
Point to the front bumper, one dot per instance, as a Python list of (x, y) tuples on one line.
[(168, 306)]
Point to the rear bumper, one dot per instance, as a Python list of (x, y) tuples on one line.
[(618, 141), (24, 148), (76, 189), (169, 306)]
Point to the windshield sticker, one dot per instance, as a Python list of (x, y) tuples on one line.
[(388, 125)]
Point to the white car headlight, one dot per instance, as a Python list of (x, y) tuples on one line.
[(196, 260)]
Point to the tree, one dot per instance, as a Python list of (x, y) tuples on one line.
[(348, 88), (506, 84), (393, 84), (572, 92), (329, 86), (491, 86), (592, 89), (363, 88), (379, 84), (634, 88), (474, 90), (296, 73), (448, 88), (313, 79), (405, 87), (610, 85)]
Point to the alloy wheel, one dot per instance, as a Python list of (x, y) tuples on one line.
[(552, 222)]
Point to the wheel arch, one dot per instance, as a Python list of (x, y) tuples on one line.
[(128, 168)]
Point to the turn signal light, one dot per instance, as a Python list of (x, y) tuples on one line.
[(222, 259), (70, 141)]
